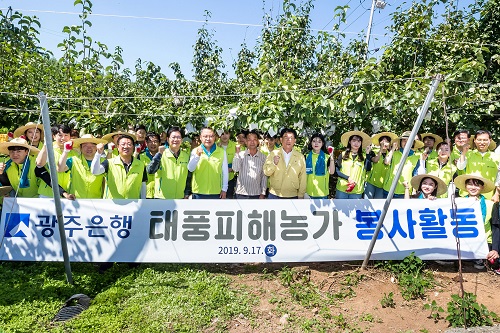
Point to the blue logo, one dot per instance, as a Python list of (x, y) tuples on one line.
[(17, 224), (270, 250)]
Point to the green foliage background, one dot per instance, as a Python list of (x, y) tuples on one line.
[(289, 79)]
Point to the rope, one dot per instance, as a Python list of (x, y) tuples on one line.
[(249, 25)]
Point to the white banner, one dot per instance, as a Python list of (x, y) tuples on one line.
[(216, 231)]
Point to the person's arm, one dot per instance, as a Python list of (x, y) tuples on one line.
[(302, 179), (271, 163), (4, 180), (41, 158), (376, 158), (462, 161), (195, 158), (44, 175), (338, 166), (187, 187), (96, 167), (225, 177), (407, 190), (494, 254), (61, 164), (388, 157), (331, 165), (368, 162), (154, 165), (237, 161), (144, 184)]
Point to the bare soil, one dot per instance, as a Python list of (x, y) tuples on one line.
[(279, 310)]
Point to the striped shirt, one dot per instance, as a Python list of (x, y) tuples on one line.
[(251, 178)]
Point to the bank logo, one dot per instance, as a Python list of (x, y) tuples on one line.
[(17, 224)]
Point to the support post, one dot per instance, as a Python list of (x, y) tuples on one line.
[(55, 184), (369, 29), (406, 151)]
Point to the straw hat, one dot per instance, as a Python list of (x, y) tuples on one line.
[(22, 130), (491, 147), (87, 138), (4, 190), (416, 145), (344, 139), (109, 137), (437, 138), (460, 182), (376, 137), (17, 142), (442, 188)]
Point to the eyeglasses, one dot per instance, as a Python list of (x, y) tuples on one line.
[(208, 136), (176, 138), (124, 145)]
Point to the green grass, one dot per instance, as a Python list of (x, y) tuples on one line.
[(149, 298)]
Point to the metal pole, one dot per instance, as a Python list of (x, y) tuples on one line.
[(369, 30), (55, 185), (406, 151)]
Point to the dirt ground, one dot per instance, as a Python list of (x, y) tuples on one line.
[(360, 310)]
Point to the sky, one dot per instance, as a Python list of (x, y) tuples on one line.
[(164, 31)]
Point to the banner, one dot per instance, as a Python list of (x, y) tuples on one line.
[(231, 231)]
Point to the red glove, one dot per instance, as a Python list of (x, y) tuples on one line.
[(330, 150), (138, 150), (10, 136), (68, 146), (111, 146)]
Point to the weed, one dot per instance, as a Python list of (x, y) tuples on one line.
[(413, 280), (466, 312), (435, 311), (286, 276), (388, 301), (266, 275), (367, 317)]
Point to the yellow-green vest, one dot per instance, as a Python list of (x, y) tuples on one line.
[(318, 186), (207, 177), (355, 169), (122, 185), (84, 184), (170, 179), (14, 175)]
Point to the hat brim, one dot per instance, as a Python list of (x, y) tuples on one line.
[(442, 187), (4, 190), (437, 138), (376, 137), (344, 139), (22, 130), (78, 142), (460, 182), (4, 148), (109, 137), (417, 144)]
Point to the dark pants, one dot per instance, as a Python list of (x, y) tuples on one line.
[(231, 185), (206, 196), (242, 196), (272, 196)]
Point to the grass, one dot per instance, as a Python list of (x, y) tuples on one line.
[(149, 298)]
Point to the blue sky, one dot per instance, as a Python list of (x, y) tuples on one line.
[(158, 34)]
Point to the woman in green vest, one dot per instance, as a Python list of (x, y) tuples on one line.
[(475, 186), (32, 132), (319, 167), (374, 188), (352, 165)]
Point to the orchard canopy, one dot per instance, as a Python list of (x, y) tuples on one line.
[(291, 78)]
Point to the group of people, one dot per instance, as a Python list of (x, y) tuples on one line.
[(142, 164)]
